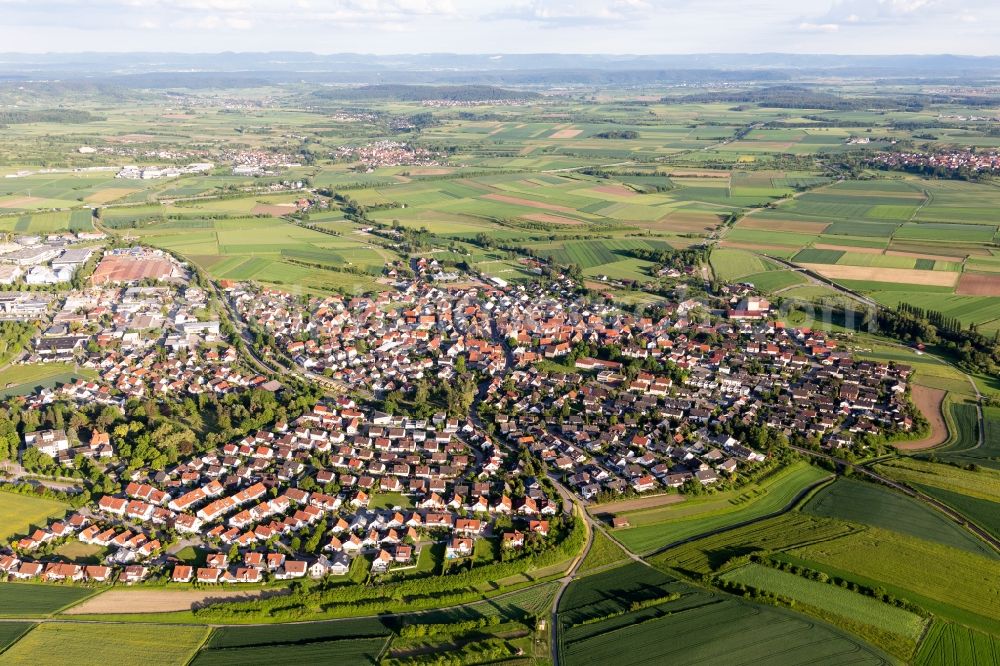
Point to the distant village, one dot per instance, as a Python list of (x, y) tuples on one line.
[(387, 153), (949, 161)]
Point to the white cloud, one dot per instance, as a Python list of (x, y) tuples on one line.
[(859, 12), (806, 26), (560, 13), (505, 26)]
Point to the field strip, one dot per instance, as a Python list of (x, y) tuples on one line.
[(773, 224), (528, 203), (978, 284), (548, 218), (566, 134), (876, 274), (795, 501), (923, 255), (740, 245), (848, 248)]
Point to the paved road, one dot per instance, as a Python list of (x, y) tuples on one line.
[(574, 566), (14, 472), (274, 363), (826, 282), (571, 502)]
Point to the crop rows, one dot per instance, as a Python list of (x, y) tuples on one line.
[(715, 633), (870, 504), (787, 531), (948, 643)]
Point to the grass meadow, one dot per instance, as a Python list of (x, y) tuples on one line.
[(19, 513)]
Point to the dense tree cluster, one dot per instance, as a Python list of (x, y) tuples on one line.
[(14, 338), (617, 134), (975, 352), (67, 116)]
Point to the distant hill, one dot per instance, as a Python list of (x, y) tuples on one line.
[(790, 97), (158, 70)]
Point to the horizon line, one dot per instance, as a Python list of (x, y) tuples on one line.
[(513, 53)]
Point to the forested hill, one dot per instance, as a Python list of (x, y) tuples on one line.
[(797, 97)]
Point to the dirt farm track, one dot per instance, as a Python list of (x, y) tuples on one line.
[(929, 402)]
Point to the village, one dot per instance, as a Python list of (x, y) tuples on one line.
[(567, 392), (254, 502), (634, 423)]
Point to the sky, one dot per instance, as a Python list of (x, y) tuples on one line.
[(970, 27)]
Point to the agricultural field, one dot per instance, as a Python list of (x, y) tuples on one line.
[(713, 553), (964, 450), (755, 633), (530, 602), (732, 265), (914, 569), (655, 528), (313, 652), (922, 241), (894, 626), (613, 591), (948, 643), (19, 512), (983, 483), (31, 600), (11, 631), (975, 493), (878, 506), (775, 281), (982, 512), (100, 644), (249, 637)]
